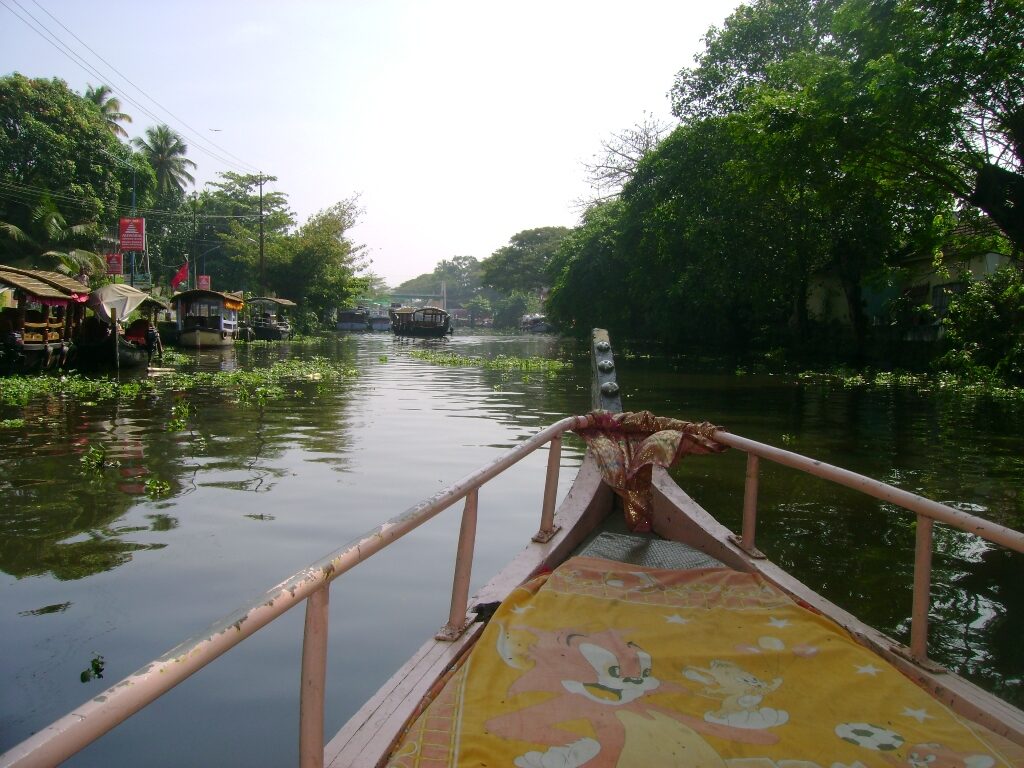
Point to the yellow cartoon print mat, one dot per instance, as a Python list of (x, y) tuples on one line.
[(601, 664)]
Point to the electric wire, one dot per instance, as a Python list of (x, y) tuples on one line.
[(40, 29), (243, 163)]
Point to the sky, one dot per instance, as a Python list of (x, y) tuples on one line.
[(458, 124)]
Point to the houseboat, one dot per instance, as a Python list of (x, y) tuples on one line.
[(353, 319), (43, 312), (268, 318), (379, 320), (207, 318), (634, 629), (429, 322)]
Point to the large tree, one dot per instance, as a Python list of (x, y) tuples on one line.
[(110, 108), (522, 265), (318, 267), (925, 91), (165, 150), (62, 172)]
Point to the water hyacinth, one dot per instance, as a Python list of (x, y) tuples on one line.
[(500, 363), (245, 386)]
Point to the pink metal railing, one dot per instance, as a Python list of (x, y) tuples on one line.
[(927, 511), (76, 730)]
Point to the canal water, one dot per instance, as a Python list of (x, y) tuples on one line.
[(99, 575)]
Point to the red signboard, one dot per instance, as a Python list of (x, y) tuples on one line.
[(133, 234), (203, 282), (115, 264)]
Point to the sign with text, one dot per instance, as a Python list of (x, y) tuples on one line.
[(132, 234), (115, 263), (203, 282)]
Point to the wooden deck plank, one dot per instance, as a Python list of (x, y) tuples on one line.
[(369, 734)]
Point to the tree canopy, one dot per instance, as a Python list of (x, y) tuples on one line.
[(522, 265)]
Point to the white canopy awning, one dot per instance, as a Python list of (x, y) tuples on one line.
[(117, 296)]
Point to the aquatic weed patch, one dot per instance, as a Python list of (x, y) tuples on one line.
[(21, 390), (919, 382), (505, 363), (262, 384), (245, 386)]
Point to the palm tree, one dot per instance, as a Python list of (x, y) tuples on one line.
[(45, 240), (110, 108), (165, 151)]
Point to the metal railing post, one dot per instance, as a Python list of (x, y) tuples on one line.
[(922, 589), (747, 540), (547, 514), (457, 620), (314, 671)]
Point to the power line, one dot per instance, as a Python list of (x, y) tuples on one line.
[(41, 29), (243, 164), (26, 193)]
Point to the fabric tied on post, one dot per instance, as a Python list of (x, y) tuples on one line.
[(627, 446)]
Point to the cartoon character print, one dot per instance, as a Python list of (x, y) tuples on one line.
[(932, 755), (741, 693), (602, 678)]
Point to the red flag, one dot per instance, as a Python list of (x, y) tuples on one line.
[(180, 276)]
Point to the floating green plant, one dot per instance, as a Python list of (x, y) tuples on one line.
[(179, 416), (155, 488), (499, 363), (94, 670), (95, 459)]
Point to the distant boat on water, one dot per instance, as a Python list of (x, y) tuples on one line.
[(268, 320), (353, 319), (207, 318), (428, 322)]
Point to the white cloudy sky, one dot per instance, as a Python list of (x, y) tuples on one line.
[(458, 123)]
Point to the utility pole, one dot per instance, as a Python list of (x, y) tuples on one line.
[(263, 283), (134, 213), (195, 206)]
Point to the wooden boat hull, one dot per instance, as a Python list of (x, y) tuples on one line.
[(102, 354), (26, 359), (203, 337), (268, 333)]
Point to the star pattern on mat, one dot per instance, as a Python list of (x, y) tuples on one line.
[(918, 714), (868, 669)]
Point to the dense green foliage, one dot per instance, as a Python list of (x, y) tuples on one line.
[(821, 142), (983, 330), (66, 178), (62, 175)]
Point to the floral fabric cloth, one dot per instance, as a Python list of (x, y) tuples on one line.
[(628, 445)]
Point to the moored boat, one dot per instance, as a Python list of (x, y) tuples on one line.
[(99, 346), (36, 331), (207, 318), (353, 319), (379, 320), (425, 322), (268, 318), (633, 630)]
